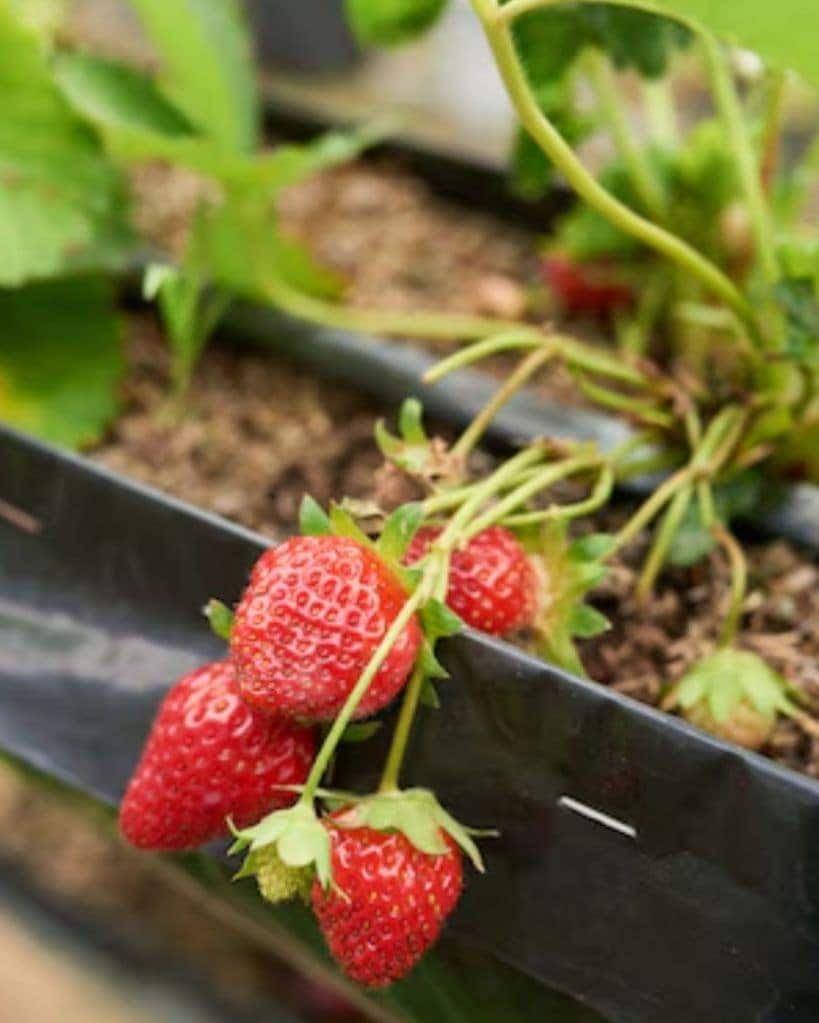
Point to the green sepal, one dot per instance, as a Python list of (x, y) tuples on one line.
[(298, 836), (398, 531), (343, 524), (728, 677), (408, 577), (417, 814), (592, 547), (430, 663), (586, 621), (571, 570), (429, 695), (411, 422), (220, 618), (411, 450), (439, 621), (313, 520), (360, 731)]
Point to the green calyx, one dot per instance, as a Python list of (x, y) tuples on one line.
[(571, 570), (727, 679), (416, 813), (295, 835)]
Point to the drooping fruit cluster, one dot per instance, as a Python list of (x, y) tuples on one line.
[(329, 628)]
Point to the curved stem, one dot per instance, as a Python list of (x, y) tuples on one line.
[(403, 728), (499, 36), (576, 353), (730, 110), (662, 541), (652, 507), (543, 480), (607, 93), (772, 130), (513, 383), (596, 499), (375, 321), (739, 582), (483, 491)]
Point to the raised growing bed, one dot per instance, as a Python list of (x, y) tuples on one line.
[(667, 876)]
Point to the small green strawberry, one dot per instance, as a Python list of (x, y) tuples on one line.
[(734, 695), (277, 880)]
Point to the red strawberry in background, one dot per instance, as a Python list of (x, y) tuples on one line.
[(592, 288), (210, 756), (493, 584), (392, 902), (310, 619)]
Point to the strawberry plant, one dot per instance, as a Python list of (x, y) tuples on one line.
[(338, 622)]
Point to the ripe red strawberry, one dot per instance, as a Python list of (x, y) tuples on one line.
[(210, 756), (591, 288), (393, 901), (493, 584), (310, 619)]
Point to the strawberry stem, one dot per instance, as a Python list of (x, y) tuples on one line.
[(607, 93), (333, 737), (513, 383), (730, 111), (381, 321), (662, 541), (739, 582), (403, 727), (497, 25), (596, 499), (544, 479)]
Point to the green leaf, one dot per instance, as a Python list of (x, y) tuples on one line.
[(60, 360), (220, 617), (109, 93), (586, 621), (313, 520), (798, 298), (207, 68), (62, 203), (784, 33), (548, 41), (391, 22), (360, 731), (635, 38), (592, 547), (399, 530), (246, 253)]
